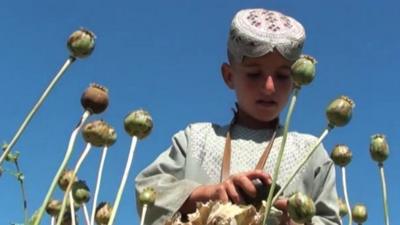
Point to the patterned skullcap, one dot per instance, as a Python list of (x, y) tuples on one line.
[(256, 32)]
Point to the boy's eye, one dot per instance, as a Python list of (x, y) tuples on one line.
[(253, 76), (282, 76)]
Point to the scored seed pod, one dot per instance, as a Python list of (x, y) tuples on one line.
[(379, 148), (80, 192), (103, 213), (65, 179), (147, 196), (53, 207), (359, 213), (95, 98), (81, 43), (343, 211), (341, 155), (301, 208), (303, 70), (138, 123), (339, 111), (99, 133)]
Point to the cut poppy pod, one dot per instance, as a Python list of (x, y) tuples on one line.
[(379, 148), (359, 213), (303, 70), (147, 196), (81, 43), (341, 155), (103, 213), (80, 192), (98, 133), (339, 111), (138, 123), (53, 207), (95, 98), (65, 179), (342, 208), (301, 208)]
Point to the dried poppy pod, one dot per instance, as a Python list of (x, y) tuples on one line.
[(53, 207), (98, 133), (341, 155), (65, 179), (67, 219), (379, 148), (138, 123), (359, 213), (303, 70), (103, 213), (95, 98), (81, 43), (342, 208), (147, 196), (301, 208), (80, 192), (339, 111)]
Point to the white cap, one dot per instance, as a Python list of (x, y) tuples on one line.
[(256, 32)]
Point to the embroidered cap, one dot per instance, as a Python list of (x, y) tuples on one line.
[(256, 32)]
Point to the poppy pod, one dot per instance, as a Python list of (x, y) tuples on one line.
[(339, 111), (81, 43), (303, 70), (53, 207), (138, 123), (359, 213), (99, 133), (341, 155), (147, 196), (95, 98), (65, 179), (343, 211), (80, 192), (379, 148), (103, 213), (301, 208)]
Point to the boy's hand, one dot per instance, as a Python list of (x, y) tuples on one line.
[(282, 204), (228, 190)]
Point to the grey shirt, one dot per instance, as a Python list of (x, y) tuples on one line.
[(195, 158)]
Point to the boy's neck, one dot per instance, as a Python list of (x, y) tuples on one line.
[(244, 119)]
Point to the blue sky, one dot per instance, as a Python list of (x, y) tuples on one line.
[(165, 57)]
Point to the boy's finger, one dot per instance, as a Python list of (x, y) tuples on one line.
[(281, 204), (233, 193), (220, 194), (265, 178), (246, 185)]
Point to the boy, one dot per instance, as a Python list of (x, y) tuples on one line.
[(211, 162)]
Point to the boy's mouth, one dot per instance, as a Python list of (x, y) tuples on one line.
[(267, 103)]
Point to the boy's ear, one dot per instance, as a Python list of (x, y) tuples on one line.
[(227, 75)]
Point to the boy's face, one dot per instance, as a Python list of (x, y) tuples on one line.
[(262, 84)]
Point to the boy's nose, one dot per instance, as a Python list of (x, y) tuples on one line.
[(269, 86)]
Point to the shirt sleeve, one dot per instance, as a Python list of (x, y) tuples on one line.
[(166, 175), (324, 192)]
